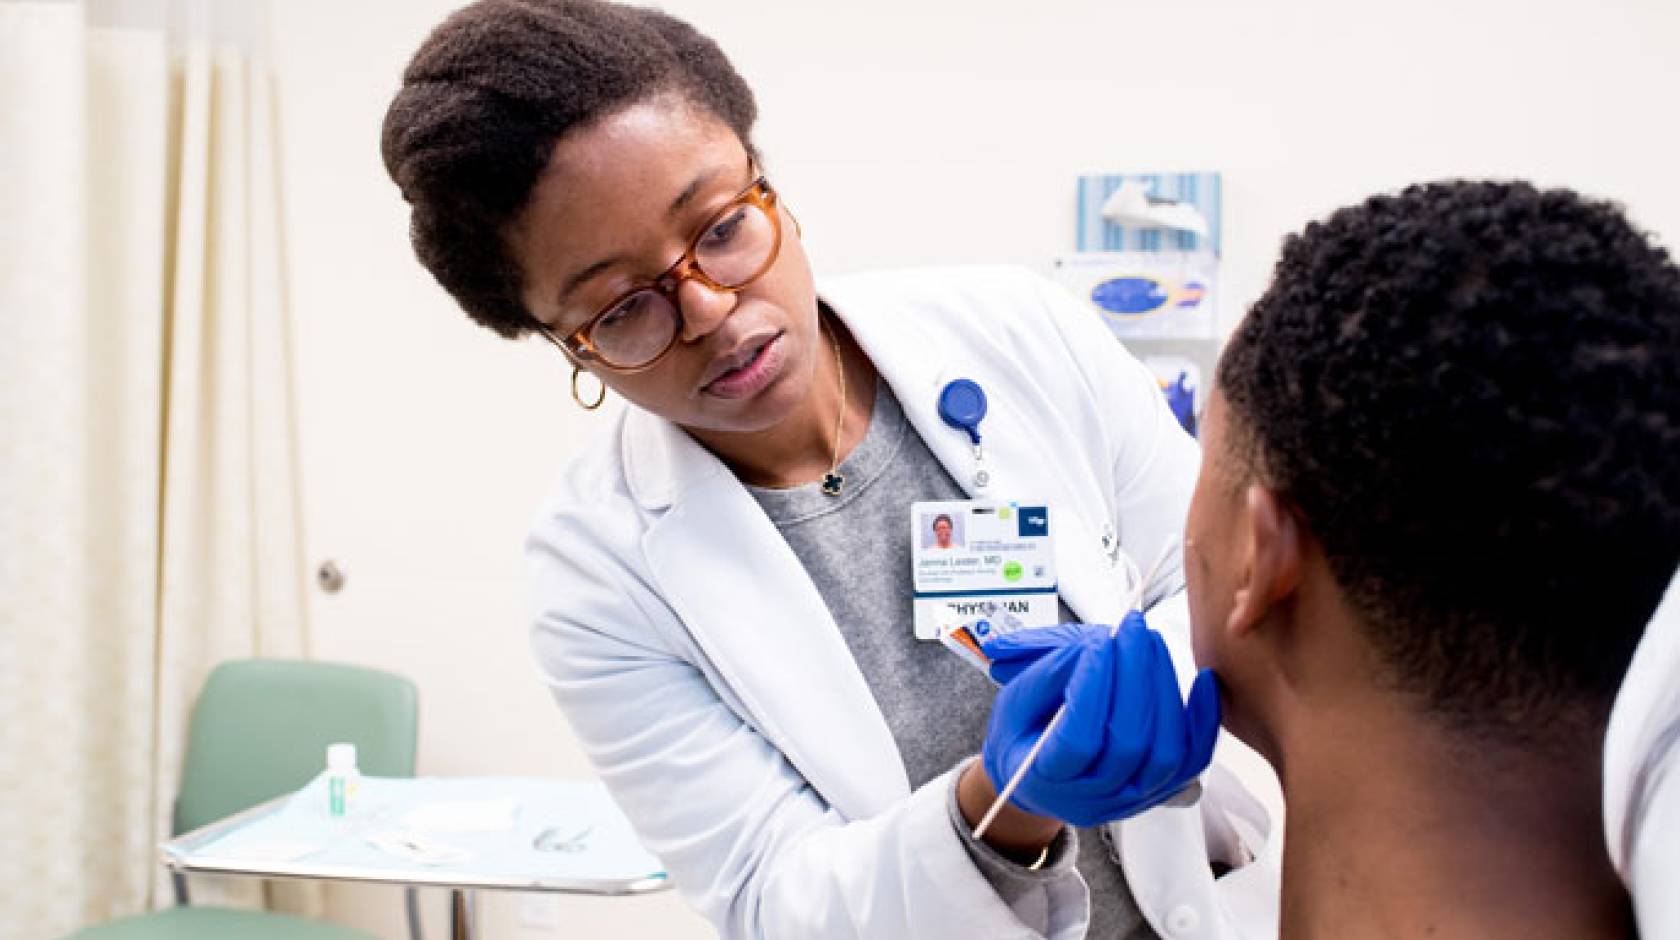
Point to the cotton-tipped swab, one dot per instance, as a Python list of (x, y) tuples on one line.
[(1135, 602)]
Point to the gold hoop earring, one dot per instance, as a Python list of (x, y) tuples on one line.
[(600, 397)]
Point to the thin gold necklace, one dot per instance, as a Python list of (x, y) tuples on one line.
[(833, 481)]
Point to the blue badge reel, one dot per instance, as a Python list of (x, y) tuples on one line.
[(962, 405)]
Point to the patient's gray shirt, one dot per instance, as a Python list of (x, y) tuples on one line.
[(856, 548)]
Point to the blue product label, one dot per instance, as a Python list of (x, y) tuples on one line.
[(1129, 296), (335, 796)]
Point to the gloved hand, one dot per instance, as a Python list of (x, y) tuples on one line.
[(1127, 741)]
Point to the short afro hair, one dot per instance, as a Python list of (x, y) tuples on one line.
[(1470, 392), (490, 92)]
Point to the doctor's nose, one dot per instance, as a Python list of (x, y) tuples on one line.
[(703, 309)]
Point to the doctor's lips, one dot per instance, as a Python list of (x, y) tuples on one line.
[(745, 372)]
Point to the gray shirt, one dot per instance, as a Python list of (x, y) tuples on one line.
[(856, 548)]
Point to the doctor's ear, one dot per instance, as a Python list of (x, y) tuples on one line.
[(1270, 557)]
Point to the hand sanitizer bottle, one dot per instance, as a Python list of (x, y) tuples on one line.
[(343, 779)]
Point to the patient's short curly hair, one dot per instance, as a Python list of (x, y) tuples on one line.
[(490, 92), (1470, 391)]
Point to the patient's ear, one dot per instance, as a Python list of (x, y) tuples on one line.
[(1270, 558)]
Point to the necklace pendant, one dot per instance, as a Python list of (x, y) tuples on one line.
[(831, 484)]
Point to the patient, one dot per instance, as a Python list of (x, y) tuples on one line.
[(1440, 500)]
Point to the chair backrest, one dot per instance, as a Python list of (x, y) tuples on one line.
[(261, 728)]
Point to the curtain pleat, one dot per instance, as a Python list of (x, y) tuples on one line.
[(148, 487)]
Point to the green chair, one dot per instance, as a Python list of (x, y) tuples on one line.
[(261, 729)]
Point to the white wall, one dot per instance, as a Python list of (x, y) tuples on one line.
[(902, 133)]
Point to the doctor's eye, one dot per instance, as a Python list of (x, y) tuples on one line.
[(724, 230), (625, 310)]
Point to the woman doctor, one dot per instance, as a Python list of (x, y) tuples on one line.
[(723, 585)]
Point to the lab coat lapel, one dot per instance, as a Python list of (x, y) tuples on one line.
[(1024, 462), (1031, 465), (753, 609)]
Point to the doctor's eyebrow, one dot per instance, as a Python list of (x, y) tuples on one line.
[(577, 280), (691, 190)]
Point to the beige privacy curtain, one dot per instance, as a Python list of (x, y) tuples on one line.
[(148, 512)]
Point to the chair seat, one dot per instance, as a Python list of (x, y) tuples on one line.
[(218, 923)]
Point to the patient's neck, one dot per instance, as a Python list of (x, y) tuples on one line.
[(1397, 828)]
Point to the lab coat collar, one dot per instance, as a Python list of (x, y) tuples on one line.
[(661, 460), (1644, 727)]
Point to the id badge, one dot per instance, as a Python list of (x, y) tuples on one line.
[(969, 557)]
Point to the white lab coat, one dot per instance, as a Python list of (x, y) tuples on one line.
[(718, 700), (1642, 774)]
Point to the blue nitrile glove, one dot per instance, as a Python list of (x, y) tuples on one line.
[(1127, 741)]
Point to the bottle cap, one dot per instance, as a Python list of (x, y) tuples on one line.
[(341, 756)]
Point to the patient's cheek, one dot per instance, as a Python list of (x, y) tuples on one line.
[(1202, 619)]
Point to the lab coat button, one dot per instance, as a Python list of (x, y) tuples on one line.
[(1183, 921)]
